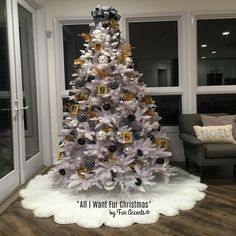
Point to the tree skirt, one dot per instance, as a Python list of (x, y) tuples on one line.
[(93, 208)]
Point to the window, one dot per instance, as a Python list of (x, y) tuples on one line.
[(156, 51), (216, 63), (214, 103), (169, 108), (216, 52), (157, 54), (72, 44)]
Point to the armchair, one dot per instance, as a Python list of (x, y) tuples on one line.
[(203, 154)]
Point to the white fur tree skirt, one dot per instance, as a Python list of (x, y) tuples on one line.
[(45, 200)]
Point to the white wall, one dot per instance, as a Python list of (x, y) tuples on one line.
[(124, 7)]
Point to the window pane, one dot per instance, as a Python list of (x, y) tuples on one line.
[(6, 137), (72, 44), (156, 51), (213, 103), (169, 108), (216, 49)]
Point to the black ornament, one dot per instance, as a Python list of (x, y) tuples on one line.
[(131, 117), (137, 135), (112, 148), (140, 153), (81, 141), (160, 161), (80, 82), (151, 137), (81, 117), (72, 132), (90, 78), (120, 148), (138, 182), (62, 171), (91, 141), (105, 25), (113, 67), (71, 93), (113, 175), (113, 84), (106, 106), (115, 129), (89, 163)]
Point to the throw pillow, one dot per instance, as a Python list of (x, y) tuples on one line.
[(215, 134), (220, 120)]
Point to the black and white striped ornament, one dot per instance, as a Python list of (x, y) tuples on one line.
[(113, 84), (89, 162), (82, 117), (92, 124), (80, 82)]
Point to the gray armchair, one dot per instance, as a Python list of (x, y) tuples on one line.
[(195, 150)]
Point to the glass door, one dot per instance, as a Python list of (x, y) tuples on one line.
[(9, 152), (27, 86)]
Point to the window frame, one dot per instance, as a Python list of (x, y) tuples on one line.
[(204, 90), (62, 93), (181, 90)]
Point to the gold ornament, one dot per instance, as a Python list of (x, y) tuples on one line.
[(91, 113), (69, 138), (79, 61), (81, 96), (150, 113), (110, 157), (162, 142), (128, 96), (60, 156), (107, 129), (97, 47), (102, 90), (114, 23), (127, 137), (120, 60), (86, 37), (83, 171), (130, 76), (135, 164), (148, 99), (126, 52), (74, 109), (101, 73)]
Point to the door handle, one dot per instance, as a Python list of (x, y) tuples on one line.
[(22, 108)]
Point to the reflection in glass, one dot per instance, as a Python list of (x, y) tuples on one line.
[(216, 52), (216, 103), (72, 44), (169, 108), (6, 140), (156, 52), (29, 82)]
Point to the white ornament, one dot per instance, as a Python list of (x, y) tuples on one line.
[(101, 135), (109, 185), (102, 59), (94, 101)]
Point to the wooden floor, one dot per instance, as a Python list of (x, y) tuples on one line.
[(213, 216)]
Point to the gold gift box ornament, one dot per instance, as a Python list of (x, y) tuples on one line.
[(162, 142)]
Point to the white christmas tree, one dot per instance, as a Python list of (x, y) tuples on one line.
[(111, 130)]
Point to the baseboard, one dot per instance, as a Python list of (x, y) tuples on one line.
[(12, 197)]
